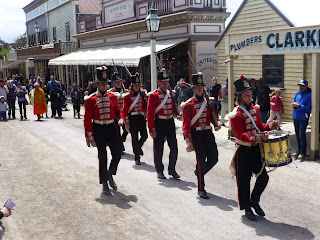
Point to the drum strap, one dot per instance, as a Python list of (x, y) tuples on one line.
[(249, 115)]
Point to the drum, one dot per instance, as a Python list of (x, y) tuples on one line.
[(276, 150)]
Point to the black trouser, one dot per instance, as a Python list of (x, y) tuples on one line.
[(22, 106), (56, 108), (107, 135), (3, 115), (12, 107), (206, 153), (124, 134), (248, 160), (165, 129), (76, 109), (138, 124)]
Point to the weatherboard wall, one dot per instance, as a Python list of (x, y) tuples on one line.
[(257, 15)]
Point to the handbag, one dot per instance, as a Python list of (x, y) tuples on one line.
[(26, 102)]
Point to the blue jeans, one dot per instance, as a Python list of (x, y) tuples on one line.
[(264, 117), (300, 128)]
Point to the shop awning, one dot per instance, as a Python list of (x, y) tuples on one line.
[(129, 54), (13, 65)]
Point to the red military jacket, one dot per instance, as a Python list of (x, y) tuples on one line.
[(139, 108), (242, 126), (166, 111), (119, 95), (190, 109), (98, 107)]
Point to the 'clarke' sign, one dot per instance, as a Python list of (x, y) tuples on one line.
[(284, 41)]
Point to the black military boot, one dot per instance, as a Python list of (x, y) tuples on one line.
[(174, 175), (105, 189), (203, 194), (249, 214), (257, 208), (112, 183), (160, 175)]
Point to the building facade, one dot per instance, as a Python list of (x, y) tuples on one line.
[(186, 25)]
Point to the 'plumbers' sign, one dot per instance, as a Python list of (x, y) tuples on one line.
[(283, 41)]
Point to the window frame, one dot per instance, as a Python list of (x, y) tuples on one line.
[(67, 27), (264, 69), (54, 34)]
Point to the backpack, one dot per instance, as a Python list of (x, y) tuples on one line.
[(220, 91)]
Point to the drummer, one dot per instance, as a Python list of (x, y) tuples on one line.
[(247, 158)]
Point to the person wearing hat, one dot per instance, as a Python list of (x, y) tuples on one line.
[(247, 127), (100, 119), (262, 99), (160, 113), (133, 113), (198, 132), (118, 90), (56, 96), (39, 101), (301, 113)]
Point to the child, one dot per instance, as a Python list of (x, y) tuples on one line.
[(275, 105), (21, 94), (3, 109), (76, 99)]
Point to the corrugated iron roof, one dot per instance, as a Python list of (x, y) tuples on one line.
[(90, 6)]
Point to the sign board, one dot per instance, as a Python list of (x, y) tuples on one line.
[(31, 62), (282, 41), (46, 46), (206, 60), (119, 11)]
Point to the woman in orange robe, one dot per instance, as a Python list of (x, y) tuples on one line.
[(39, 101)]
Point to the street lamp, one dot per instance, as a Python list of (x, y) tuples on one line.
[(36, 29), (153, 25)]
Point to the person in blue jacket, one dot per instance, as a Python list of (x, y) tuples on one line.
[(301, 113)]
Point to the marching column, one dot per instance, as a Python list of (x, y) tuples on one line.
[(198, 132), (101, 129), (161, 126), (133, 113)]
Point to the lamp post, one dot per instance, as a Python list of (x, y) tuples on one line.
[(153, 25), (36, 29)]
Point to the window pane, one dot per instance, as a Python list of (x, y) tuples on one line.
[(273, 70)]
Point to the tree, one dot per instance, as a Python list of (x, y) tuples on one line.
[(20, 41), (5, 51)]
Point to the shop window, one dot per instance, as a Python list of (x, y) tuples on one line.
[(54, 34), (273, 70), (68, 32)]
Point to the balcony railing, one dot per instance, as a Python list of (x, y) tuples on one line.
[(163, 6), (46, 51)]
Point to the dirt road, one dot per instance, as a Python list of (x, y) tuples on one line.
[(49, 171)]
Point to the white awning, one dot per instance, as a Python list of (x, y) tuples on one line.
[(129, 54)]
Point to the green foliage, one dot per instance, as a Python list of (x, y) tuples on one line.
[(4, 52), (20, 41)]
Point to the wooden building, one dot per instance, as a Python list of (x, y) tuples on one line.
[(260, 41)]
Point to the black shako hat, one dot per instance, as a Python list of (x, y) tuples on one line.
[(162, 75), (197, 80), (102, 75), (135, 79), (241, 85), (116, 77)]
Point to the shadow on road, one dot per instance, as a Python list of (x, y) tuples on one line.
[(119, 199), (283, 231), (219, 202), (173, 183)]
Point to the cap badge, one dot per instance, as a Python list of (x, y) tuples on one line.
[(104, 75), (199, 79), (245, 84)]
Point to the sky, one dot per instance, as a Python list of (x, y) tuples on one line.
[(12, 17)]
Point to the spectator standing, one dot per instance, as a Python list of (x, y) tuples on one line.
[(21, 94), (45, 89), (51, 83), (56, 100), (3, 89), (224, 102), (275, 105), (214, 92), (39, 101), (262, 99), (11, 99), (301, 113), (76, 99), (3, 109), (183, 92)]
